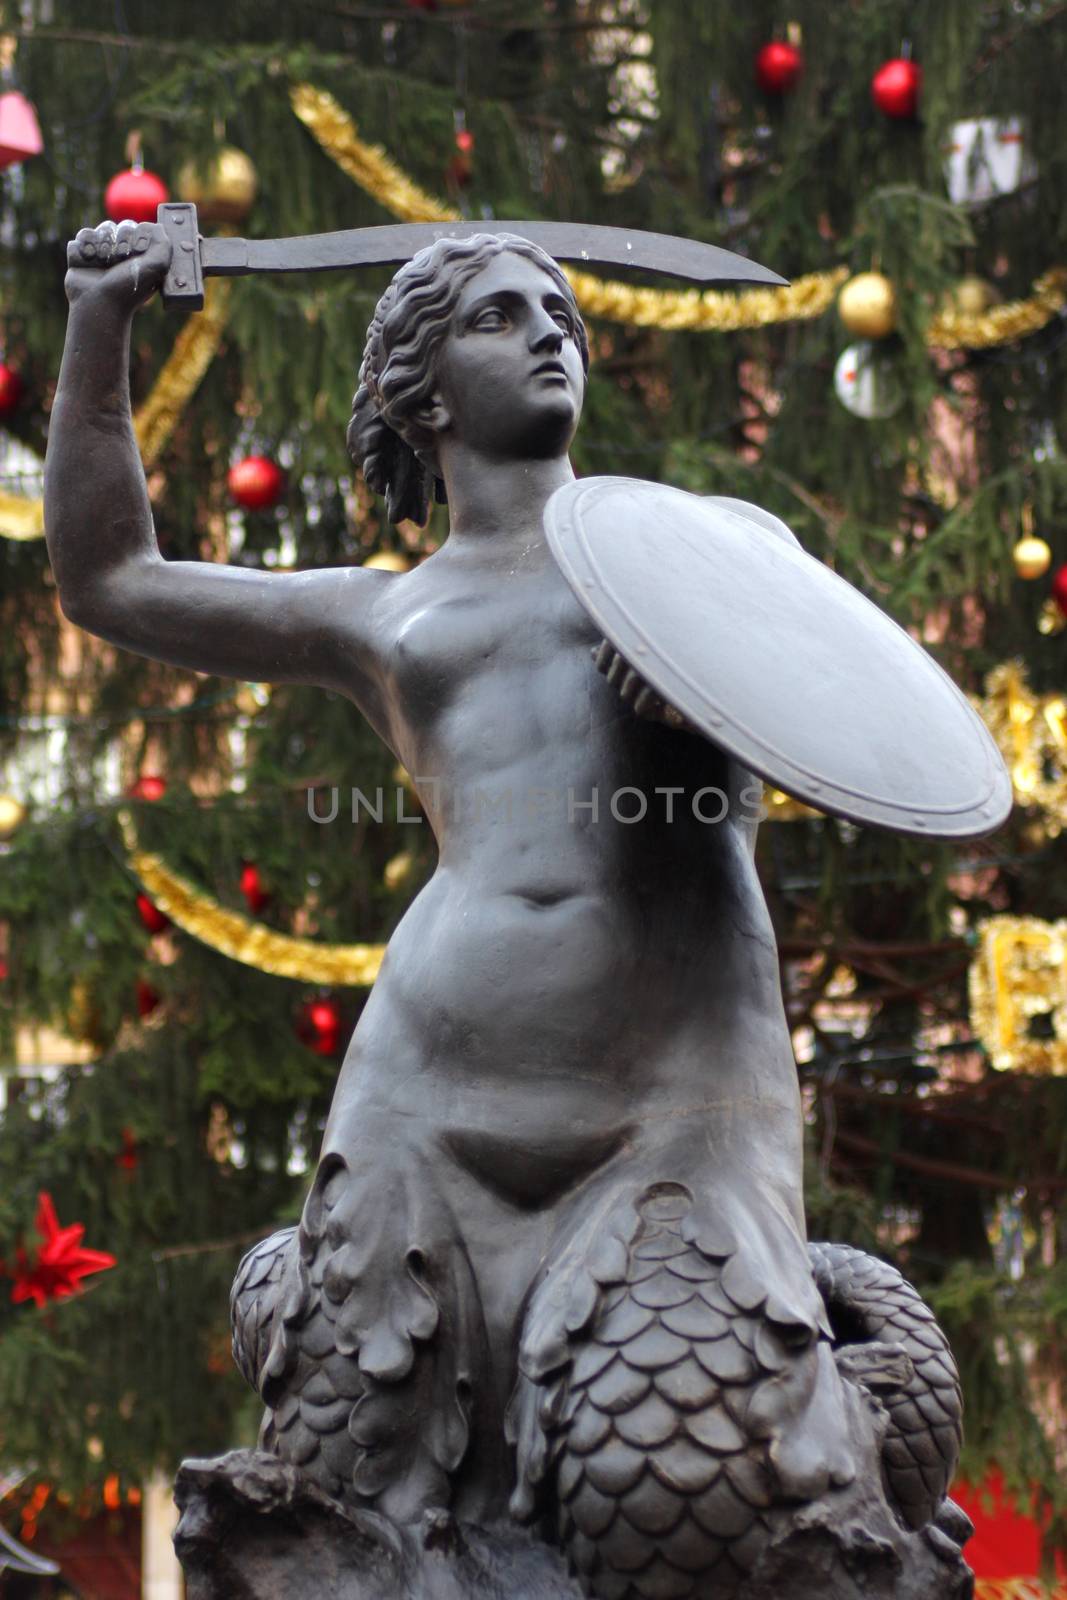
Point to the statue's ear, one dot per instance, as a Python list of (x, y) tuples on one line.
[(422, 429), (431, 419)]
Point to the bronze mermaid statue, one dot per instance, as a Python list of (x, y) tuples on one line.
[(553, 1267)]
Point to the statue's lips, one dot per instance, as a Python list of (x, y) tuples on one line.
[(551, 369)]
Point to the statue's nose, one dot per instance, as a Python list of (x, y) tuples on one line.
[(545, 332)]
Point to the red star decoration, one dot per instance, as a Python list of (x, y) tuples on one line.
[(60, 1262)]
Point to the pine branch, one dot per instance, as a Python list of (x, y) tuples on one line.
[(948, 1171)]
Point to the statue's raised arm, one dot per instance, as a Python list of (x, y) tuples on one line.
[(309, 627)]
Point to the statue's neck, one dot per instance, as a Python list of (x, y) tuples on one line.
[(498, 500)]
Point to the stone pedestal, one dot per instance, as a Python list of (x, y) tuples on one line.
[(252, 1528)]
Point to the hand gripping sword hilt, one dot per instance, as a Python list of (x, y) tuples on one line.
[(183, 287)]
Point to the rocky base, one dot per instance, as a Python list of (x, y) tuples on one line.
[(252, 1528), (855, 1557)]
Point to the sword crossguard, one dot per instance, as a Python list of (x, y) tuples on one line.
[(183, 287)]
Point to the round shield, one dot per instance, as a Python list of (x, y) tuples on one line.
[(777, 659)]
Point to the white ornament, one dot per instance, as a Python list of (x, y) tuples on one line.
[(985, 157), (866, 382)]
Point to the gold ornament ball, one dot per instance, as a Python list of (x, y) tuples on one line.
[(224, 191), (1051, 620), (971, 297), (398, 870), (388, 561), (867, 305), (1032, 557), (251, 698), (12, 815), (83, 1019)]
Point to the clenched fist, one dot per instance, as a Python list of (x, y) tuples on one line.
[(124, 263), (633, 690)]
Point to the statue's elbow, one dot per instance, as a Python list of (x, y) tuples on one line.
[(80, 607), (100, 599), (92, 602)]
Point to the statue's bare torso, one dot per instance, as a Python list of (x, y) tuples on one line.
[(568, 973)]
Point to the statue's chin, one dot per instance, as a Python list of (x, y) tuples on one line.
[(553, 431)]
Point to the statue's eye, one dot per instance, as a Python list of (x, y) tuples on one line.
[(562, 320), (490, 319)]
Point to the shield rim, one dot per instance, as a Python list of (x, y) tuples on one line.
[(568, 541)]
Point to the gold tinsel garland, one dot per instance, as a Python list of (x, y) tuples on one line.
[(380, 177), (366, 164), (952, 330), (180, 376), (238, 937), (1018, 975), (1031, 733), (708, 310), (22, 516)]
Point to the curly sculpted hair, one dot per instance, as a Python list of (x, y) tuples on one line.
[(398, 372)]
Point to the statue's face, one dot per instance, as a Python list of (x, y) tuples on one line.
[(509, 373)]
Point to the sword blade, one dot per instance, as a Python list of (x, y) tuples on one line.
[(584, 244)]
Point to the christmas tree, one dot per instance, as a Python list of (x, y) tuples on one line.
[(187, 943)]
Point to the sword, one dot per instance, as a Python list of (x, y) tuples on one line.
[(193, 257)]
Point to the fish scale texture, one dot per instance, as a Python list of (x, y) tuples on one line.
[(336, 1324), (308, 1424), (674, 1400), (661, 1490), (925, 1415)]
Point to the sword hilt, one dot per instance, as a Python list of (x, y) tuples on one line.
[(183, 287)]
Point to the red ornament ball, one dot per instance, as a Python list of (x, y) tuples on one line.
[(252, 888), (778, 66), (149, 786), (10, 389), (895, 88), (256, 483), (1059, 588), (320, 1026), (465, 141), (135, 196), (324, 1015), (127, 1158), (147, 997), (154, 919)]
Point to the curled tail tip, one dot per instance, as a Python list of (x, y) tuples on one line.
[(889, 1342)]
